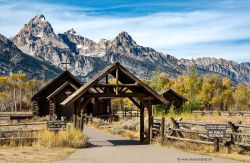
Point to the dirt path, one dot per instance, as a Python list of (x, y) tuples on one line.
[(109, 148)]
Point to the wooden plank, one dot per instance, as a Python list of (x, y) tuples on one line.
[(117, 81), (114, 95), (23, 124), (190, 140), (114, 85), (17, 138), (20, 131)]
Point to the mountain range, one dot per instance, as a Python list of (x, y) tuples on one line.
[(38, 51)]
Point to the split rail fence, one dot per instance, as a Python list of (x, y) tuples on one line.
[(21, 131), (222, 113), (194, 132)]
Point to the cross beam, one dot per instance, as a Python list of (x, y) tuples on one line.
[(139, 95), (66, 63)]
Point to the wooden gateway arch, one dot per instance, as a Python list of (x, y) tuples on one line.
[(126, 85)]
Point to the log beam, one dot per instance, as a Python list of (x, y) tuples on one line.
[(117, 81), (141, 123), (139, 95), (135, 102)]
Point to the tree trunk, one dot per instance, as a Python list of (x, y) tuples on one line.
[(20, 99), (14, 98)]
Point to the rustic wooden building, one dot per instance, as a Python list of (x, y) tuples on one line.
[(126, 86), (174, 99), (47, 100)]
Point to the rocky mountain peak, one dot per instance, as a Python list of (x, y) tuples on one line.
[(71, 32), (125, 39), (38, 18), (37, 29)]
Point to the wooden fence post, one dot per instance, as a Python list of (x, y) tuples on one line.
[(162, 129), (177, 126), (217, 144), (151, 118)]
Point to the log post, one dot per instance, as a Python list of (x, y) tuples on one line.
[(141, 123), (216, 144), (35, 107), (74, 116), (81, 120), (117, 80), (150, 119)]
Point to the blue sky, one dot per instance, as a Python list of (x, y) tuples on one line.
[(183, 28)]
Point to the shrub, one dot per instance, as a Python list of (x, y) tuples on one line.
[(99, 122), (117, 129), (191, 105), (126, 124)]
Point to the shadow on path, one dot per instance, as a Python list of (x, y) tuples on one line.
[(101, 139), (124, 142)]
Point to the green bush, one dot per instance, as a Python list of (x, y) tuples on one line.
[(191, 105)]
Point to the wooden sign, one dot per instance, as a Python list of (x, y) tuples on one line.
[(216, 130), (216, 133), (56, 125), (216, 126)]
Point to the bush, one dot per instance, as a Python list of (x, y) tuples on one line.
[(160, 109), (191, 105), (117, 129), (126, 124), (99, 122)]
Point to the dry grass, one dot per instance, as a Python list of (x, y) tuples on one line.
[(33, 154), (236, 153), (71, 137), (210, 118), (49, 146)]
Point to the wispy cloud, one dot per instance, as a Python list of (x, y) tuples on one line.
[(190, 33)]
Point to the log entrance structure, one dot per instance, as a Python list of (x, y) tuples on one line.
[(126, 86)]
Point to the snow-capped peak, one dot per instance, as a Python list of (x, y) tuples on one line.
[(72, 32), (39, 18)]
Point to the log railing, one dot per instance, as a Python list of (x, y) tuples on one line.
[(223, 113), (180, 130)]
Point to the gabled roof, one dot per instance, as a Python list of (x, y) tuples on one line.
[(173, 92), (125, 78), (61, 88), (61, 79)]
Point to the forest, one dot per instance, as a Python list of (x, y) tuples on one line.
[(16, 90), (208, 92)]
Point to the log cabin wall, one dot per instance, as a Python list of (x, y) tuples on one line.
[(41, 105)]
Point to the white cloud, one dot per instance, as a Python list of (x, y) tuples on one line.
[(177, 33)]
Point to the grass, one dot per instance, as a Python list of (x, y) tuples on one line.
[(71, 137), (33, 154), (49, 147), (209, 118), (236, 153)]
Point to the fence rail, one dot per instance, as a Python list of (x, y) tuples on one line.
[(223, 113), (15, 115)]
